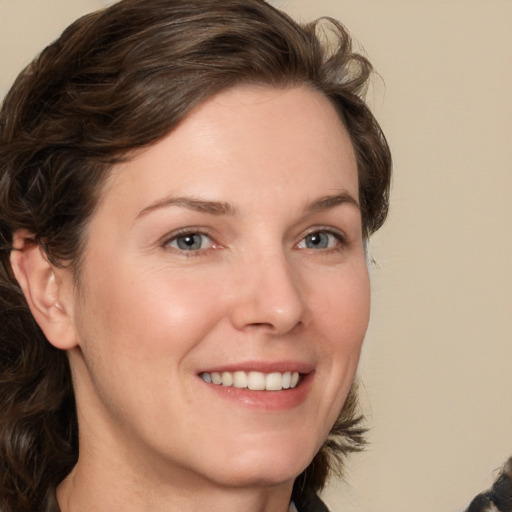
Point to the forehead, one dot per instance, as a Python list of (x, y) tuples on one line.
[(243, 140)]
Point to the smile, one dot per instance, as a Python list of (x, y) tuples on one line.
[(255, 381)]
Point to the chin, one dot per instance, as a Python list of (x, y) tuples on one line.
[(264, 466)]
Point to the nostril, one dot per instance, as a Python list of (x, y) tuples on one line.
[(276, 328), (271, 302)]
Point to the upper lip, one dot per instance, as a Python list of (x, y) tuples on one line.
[(263, 367)]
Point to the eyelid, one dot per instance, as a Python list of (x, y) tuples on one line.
[(182, 232), (166, 240), (335, 232)]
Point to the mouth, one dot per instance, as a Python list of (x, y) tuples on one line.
[(254, 380)]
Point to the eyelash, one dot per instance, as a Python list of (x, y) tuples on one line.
[(340, 238), (175, 237)]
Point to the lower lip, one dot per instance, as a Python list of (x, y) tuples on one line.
[(266, 400)]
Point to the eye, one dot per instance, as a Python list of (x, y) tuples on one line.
[(190, 242), (320, 240)]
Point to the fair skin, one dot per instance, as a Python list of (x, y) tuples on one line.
[(233, 244)]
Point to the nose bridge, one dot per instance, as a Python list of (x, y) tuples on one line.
[(270, 294)]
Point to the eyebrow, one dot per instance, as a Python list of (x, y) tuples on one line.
[(223, 208), (199, 205), (327, 202)]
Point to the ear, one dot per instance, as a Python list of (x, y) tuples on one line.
[(48, 290)]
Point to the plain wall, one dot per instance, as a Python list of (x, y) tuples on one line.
[(437, 362)]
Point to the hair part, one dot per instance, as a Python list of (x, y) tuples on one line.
[(118, 80)]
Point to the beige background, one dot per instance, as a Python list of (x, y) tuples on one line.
[(438, 357)]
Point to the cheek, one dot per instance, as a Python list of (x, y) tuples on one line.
[(153, 315), (342, 318), (136, 337), (344, 307)]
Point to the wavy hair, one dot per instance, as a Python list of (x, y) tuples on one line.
[(116, 80), (499, 497)]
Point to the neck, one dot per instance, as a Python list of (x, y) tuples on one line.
[(105, 487)]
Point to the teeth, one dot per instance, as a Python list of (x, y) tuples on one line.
[(274, 381), (239, 380), (256, 381), (227, 379), (287, 380), (216, 378)]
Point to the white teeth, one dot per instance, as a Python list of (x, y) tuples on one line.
[(255, 381), (274, 381), (287, 380), (240, 380), (227, 379)]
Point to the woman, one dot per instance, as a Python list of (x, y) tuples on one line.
[(187, 188)]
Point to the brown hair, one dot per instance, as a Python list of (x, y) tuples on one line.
[(499, 497), (116, 80)]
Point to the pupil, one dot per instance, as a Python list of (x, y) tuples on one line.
[(189, 242), (318, 240)]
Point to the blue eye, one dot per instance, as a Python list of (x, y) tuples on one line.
[(190, 242), (319, 240)]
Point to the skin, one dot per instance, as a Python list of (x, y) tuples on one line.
[(256, 290)]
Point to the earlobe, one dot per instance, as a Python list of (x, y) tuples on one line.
[(45, 289)]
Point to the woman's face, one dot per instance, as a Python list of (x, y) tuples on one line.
[(231, 250)]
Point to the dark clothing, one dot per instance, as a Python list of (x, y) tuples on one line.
[(310, 502)]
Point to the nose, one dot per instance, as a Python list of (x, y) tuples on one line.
[(269, 295)]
